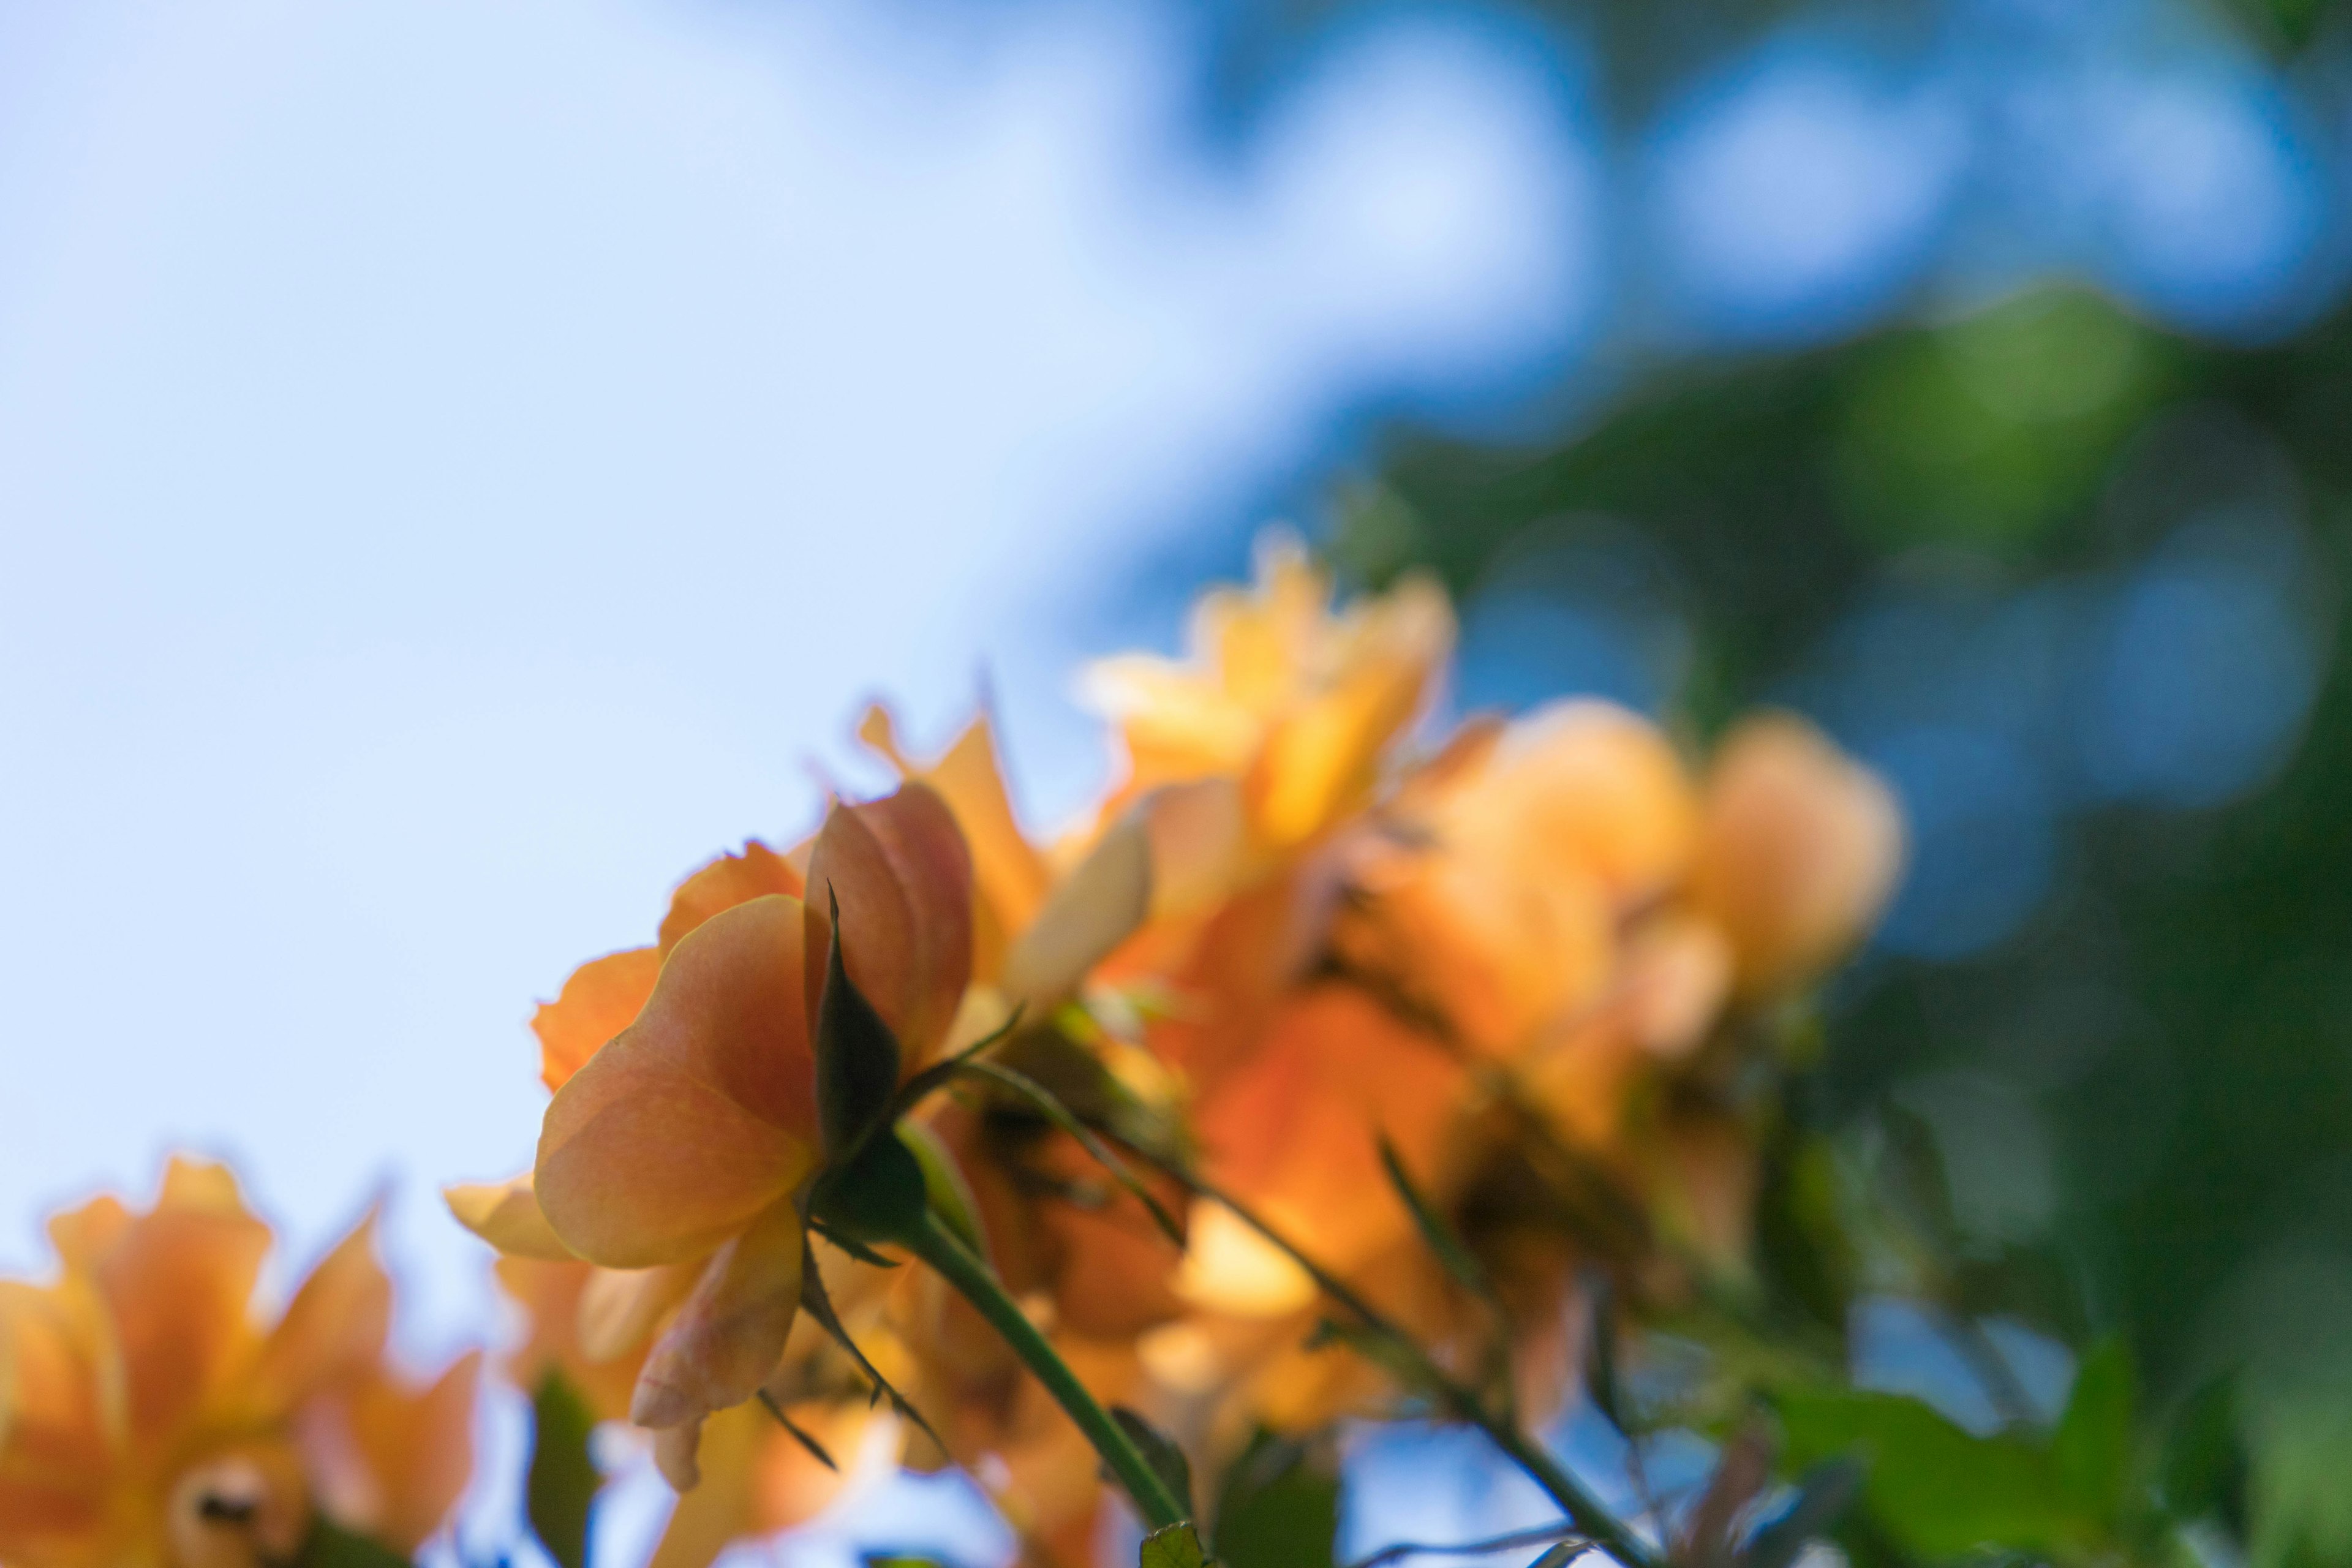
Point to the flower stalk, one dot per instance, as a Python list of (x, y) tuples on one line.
[(1586, 1512), (937, 1244)]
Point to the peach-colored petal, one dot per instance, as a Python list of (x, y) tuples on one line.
[(177, 1284), (789, 1487), (711, 1464), (1100, 902), (1583, 787), (404, 1455), (725, 882), (620, 1307), (1199, 844), (1800, 850), (1324, 759), (1008, 873), (701, 1113), (602, 997), (333, 1330), (549, 1295), (507, 1215), (730, 1333), (56, 1450), (900, 870), (1496, 946), (1295, 1131)]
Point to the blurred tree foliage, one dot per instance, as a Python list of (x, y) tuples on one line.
[(2178, 1011)]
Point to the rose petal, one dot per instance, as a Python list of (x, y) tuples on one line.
[(414, 1449), (1323, 760), (1800, 847), (903, 878), (729, 1333), (549, 1295), (507, 1215), (333, 1330), (1008, 873), (1581, 788), (178, 1287), (55, 1453), (1101, 902), (602, 997), (677, 1454), (722, 884), (701, 1113), (620, 1307)]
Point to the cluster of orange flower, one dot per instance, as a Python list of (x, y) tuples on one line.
[(1531, 967)]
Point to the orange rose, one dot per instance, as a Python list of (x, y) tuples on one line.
[(147, 1419)]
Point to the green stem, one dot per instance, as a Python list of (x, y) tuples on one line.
[(1585, 1510), (939, 1247)]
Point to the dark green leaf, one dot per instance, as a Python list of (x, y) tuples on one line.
[(2092, 1446), (818, 1305), (1827, 1491), (1054, 1111), (1437, 1231), (1178, 1546), (2205, 1469), (878, 1195), (560, 1488), (1932, 1488), (857, 1057), (1600, 1359), (1161, 1452), (329, 1545), (1560, 1556), (1279, 1508), (950, 1195)]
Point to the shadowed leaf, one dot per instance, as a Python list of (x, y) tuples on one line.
[(857, 1056), (560, 1490), (1166, 1459), (1279, 1509)]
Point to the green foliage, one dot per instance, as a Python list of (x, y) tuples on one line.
[(1936, 1489), (950, 1196), (1941, 1491), (1279, 1508), (1160, 1451), (2091, 1451), (857, 1057), (1177, 1546), (329, 1545), (879, 1196), (2172, 1021), (560, 1490)]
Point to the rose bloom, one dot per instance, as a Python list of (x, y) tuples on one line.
[(684, 1131), (149, 1419)]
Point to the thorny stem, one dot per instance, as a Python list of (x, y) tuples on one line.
[(1584, 1510), (938, 1245)]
